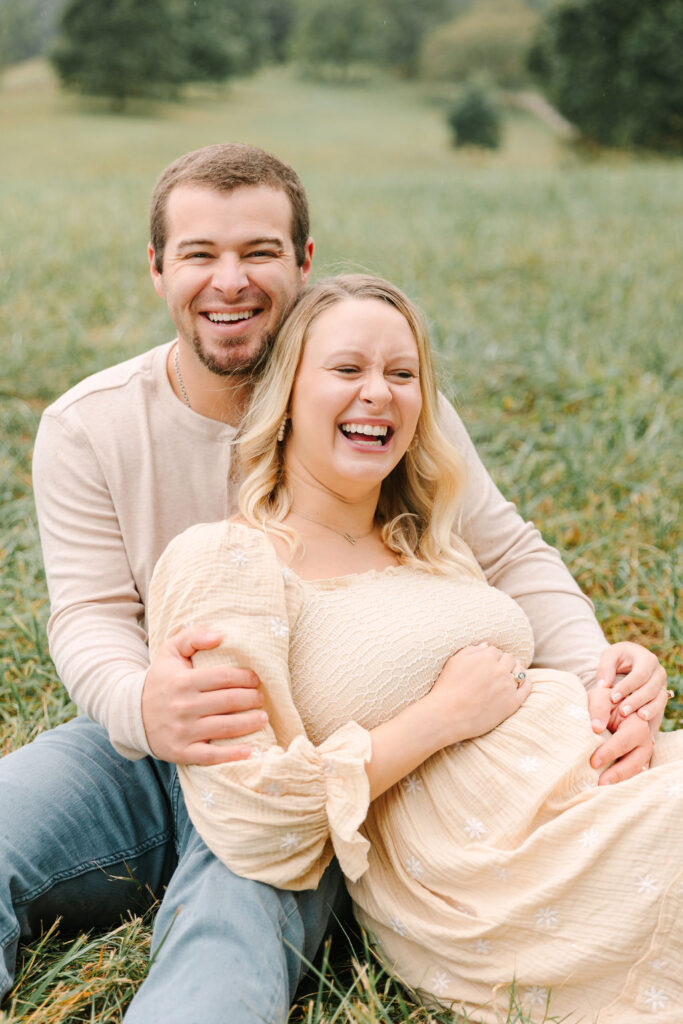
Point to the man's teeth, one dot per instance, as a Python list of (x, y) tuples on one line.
[(365, 428), (229, 318)]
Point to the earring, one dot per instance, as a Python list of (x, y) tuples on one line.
[(281, 429)]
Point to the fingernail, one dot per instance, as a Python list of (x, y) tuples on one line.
[(596, 762), (644, 713), (263, 718), (598, 725), (601, 682), (626, 709), (245, 751), (644, 768), (615, 697)]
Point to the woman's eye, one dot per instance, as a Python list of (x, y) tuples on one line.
[(404, 374), (347, 370)]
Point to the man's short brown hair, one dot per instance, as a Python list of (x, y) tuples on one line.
[(224, 167)]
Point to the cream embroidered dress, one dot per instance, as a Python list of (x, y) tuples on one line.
[(499, 862)]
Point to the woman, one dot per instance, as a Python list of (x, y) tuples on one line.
[(479, 866)]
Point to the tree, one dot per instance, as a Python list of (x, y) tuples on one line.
[(120, 49), (333, 35), (27, 28), (615, 69), (475, 118), (127, 48), (493, 36)]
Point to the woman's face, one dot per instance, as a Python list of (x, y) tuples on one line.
[(356, 399)]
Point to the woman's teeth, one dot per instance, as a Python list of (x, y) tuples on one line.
[(371, 434)]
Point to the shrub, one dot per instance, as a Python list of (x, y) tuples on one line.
[(475, 118), (491, 37), (615, 69)]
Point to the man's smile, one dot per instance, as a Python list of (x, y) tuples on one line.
[(229, 318)]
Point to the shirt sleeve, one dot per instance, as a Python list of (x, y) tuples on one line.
[(279, 816), (95, 631), (517, 560)]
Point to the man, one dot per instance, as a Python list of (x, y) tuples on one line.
[(92, 813)]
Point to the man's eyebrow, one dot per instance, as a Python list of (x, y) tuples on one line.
[(190, 243), (266, 241)]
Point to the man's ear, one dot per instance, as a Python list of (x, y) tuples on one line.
[(308, 260), (157, 279)]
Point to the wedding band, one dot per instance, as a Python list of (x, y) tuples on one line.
[(519, 678), (670, 694)]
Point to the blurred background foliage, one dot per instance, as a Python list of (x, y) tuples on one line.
[(612, 68)]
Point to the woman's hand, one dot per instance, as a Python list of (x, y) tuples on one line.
[(475, 692)]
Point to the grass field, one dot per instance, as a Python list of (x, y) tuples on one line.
[(552, 286)]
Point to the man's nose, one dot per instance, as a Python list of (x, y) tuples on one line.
[(230, 275)]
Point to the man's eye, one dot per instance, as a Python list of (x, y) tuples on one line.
[(199, 256), (261, 254)]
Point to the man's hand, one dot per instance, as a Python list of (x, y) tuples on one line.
[(632, 709), (183, 708)]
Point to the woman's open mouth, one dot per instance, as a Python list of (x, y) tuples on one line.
[(369, 435)]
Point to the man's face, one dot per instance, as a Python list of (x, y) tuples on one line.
[(229, 273)]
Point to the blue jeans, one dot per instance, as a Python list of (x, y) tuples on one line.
[(86, 835)]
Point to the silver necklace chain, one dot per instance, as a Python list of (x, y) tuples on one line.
[(179, 377), (348, 537)]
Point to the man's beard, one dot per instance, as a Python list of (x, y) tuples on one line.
[(249, 368)]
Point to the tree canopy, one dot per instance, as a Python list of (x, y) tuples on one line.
[(615, 69), (125, 48)]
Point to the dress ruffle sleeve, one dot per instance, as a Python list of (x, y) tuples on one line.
[(279, 816)]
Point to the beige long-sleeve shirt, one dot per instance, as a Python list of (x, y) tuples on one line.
[(121, 467)]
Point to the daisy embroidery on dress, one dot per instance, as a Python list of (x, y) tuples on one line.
[(289, 841), (482, 946), (658, 964), (278, 627), (398, 926), (440, 981), (646, 885), (238, 559), (274, 788), (528, 765), (413, 867), (674, 788), (475, 829), (501, 874), (588, 838), (412, 783), (656, 999), (536, 996), (576, 711), (207, 799), (546, 917)]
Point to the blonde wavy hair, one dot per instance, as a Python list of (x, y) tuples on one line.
[(419, 501)]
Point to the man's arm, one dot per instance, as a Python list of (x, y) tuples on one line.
[(567, 636), (96, 633), (518, 561)]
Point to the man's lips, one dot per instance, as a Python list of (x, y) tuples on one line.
[(231, 318)]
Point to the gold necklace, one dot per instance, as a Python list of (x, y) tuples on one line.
[(348, 537)]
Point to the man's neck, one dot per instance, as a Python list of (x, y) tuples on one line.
[(218, 397)]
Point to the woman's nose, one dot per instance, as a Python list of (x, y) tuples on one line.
[(375, 390)]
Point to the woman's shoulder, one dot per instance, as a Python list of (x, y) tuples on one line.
[(228, 541)]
